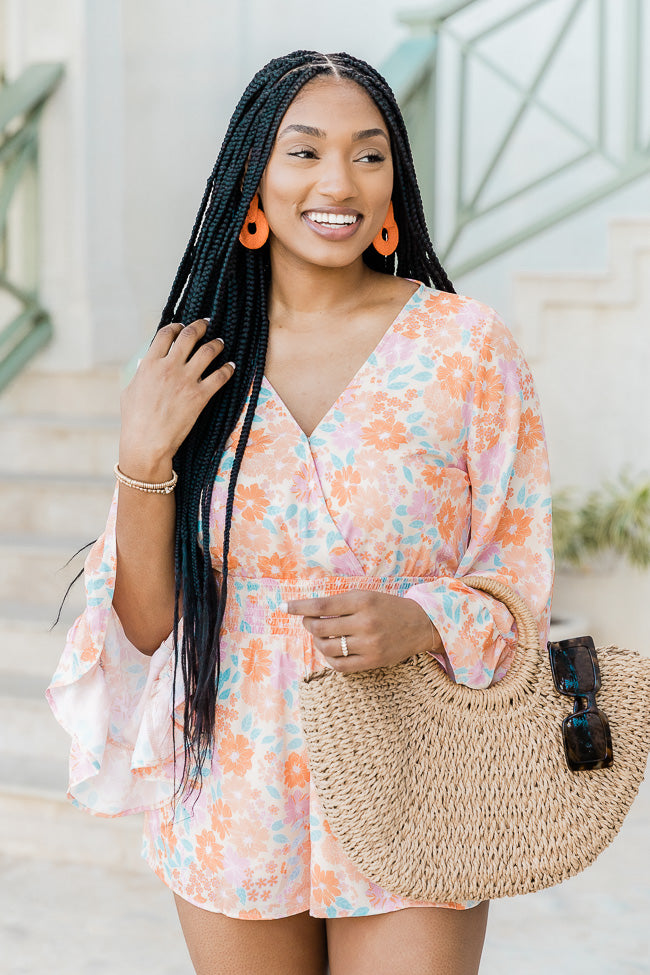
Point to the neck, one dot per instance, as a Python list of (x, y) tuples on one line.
[(301, 294)]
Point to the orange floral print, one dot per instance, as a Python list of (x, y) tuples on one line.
[(455, 374), (384, 434), (235, 755), (251, 501), (256, 660), (325, 887), (296, 771), (209, 852), (531, 432), (221, 818), (277, 565), (515, 527), (345, 484), (489, 387)]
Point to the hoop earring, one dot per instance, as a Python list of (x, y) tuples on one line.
[(388, 237), (255, 219)]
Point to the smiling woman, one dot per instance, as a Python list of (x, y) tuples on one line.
[(366, 446)]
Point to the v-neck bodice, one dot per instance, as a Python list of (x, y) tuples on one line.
[(369, 363), (383, 485)]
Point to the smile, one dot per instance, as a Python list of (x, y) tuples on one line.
[(334, 226)]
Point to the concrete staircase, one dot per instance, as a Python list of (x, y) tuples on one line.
[(58, 444)]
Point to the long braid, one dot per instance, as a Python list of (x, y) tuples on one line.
[(220, 279)]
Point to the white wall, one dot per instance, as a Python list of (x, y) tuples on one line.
[(129, 140), (185, 68)]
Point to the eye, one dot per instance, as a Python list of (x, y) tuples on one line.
[(303, 154), (373, 157)]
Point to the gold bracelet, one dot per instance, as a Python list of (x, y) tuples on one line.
[(163, 487)]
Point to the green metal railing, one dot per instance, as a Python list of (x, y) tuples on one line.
[(614, 146), (21, 104)]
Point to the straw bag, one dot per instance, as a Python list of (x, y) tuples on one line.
[(440, 792)]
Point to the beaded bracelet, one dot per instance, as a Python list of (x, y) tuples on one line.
[(163, 487)]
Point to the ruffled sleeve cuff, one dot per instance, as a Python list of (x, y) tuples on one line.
[(116, 703), (476, 630)]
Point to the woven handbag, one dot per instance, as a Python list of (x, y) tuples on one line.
[(440, 792)]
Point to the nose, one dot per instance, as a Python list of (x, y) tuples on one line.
[(336, 179)]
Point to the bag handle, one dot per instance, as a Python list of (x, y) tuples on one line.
[(524, 668)]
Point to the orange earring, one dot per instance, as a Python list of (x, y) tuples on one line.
[(387, 239), (255, 219)]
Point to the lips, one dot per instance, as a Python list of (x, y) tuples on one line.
[(340, 227)]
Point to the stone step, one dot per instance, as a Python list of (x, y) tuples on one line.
[(29, 729), (37, 820), (28, 645), (65, 445), (54, 504), (33, 571), (91, 393)]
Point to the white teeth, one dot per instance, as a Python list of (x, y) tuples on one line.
[(331, 219)]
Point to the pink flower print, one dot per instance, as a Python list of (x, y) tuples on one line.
[(509, 371), (490, 462), (296, 808), (346, 437), (302, 486), (421, 508)]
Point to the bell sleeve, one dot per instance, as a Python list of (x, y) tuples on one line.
[(510, 526), (115, 702)]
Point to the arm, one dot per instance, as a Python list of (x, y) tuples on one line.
[(510, 534), (159, 408), (113, 690)]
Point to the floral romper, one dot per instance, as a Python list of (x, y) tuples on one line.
[(430, 466)]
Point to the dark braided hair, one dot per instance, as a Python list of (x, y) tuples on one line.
[(220, 279)]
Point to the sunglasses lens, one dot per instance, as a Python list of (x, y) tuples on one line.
[(575, 668), (587, 741)]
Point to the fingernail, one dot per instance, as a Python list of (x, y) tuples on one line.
[(284, 607), (231, 364), (207, 320), (220, 340)]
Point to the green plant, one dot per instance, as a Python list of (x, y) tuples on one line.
[(614, 517)]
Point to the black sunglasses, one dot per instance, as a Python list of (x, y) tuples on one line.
[(586, 732)]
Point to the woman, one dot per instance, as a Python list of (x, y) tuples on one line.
[(370, 438)]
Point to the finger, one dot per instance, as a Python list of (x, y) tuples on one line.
[(205, 356), (188, 338), (354, 664), (332, 648), (329, 627), (163, 340), (213, 383), (341, 604)]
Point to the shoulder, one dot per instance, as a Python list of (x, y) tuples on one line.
[(469, 322)]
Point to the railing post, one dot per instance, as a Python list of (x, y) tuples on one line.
[(25, 326)]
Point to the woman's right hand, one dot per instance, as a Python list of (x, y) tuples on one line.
[(165, 397)]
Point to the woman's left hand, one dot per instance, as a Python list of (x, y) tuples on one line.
[(381, 629)]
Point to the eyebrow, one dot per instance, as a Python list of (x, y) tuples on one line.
[(319, 134)]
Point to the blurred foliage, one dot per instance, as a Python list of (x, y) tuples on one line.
[(614, 518)]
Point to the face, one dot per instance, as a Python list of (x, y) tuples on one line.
[(329, 180)]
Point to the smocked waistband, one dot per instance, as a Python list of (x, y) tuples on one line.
[(255, 602)]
